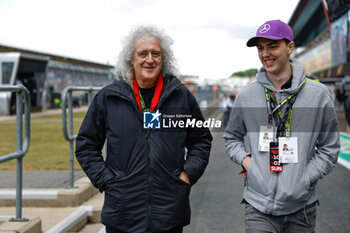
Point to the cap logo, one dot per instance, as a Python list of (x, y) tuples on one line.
[(265, 28)]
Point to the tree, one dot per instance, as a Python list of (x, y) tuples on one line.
[(245, 74)]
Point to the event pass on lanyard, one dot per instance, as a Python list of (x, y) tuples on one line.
[(275, 165)]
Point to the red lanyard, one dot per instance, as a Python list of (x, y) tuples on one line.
[(156, 96)]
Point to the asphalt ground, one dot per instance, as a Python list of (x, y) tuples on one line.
[(215, 199)]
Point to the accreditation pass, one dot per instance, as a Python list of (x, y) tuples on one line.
[(265, 137), (288, 149)]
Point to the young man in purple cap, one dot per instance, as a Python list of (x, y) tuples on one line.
[(279, 188)]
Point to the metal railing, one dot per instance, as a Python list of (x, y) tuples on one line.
[(22, 145), (67, 99)]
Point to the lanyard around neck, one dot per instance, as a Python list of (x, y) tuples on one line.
[(272, 106), (143, 105), (157, 92)]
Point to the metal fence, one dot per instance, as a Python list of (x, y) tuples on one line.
[(22, 144), (67, 102)]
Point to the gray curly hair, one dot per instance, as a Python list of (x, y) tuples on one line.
[(124, 67)]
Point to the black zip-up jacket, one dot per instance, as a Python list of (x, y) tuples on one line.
[(143, 192)]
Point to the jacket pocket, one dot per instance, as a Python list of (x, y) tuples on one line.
[(182, 189), (182, 181), (114, 204), (178, 182), (115, 194), (248, 173), (181, 197), (294, 187), (258, 178)]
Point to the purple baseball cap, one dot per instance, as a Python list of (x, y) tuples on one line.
[(274, 30)]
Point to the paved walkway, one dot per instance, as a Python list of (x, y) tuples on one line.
[(38, 179)]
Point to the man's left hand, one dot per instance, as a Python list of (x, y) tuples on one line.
[(183, 176)]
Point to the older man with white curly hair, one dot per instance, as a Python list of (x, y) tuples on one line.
[(147, 175)]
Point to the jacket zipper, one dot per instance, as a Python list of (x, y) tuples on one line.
[(149, 157), (149, 163), (149, 177), (274, 193), (276, 174)]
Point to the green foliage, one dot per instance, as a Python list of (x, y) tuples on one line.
[(48, 149), (245, 74)]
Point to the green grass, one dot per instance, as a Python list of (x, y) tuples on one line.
[(48, 149)]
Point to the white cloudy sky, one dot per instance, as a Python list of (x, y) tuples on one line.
[(209, 36)]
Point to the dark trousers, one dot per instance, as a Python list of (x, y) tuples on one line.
[(303, 221), (227, 116), (173, 230)]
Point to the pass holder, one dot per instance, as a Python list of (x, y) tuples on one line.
[(265, 137), (275, 165), (288, 151)]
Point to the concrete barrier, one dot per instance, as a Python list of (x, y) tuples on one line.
[(51, 197), (74, 222), (33, 225)]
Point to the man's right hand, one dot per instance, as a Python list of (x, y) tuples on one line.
[(246, 163)]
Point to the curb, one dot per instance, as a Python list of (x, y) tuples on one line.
[(33, 225), (50, 197), (74, 222), (344, 163)]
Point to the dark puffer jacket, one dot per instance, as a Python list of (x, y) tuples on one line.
[(143, 192)]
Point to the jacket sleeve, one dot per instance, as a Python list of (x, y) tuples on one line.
[(89, 143), (327, 146), (234, 134), (198, 144)]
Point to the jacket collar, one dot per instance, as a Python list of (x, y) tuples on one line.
[(122, 89), (298, 75)]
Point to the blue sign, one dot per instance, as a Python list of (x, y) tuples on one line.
[(151, 120)]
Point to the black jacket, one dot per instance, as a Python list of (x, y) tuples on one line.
[(140, 175)]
